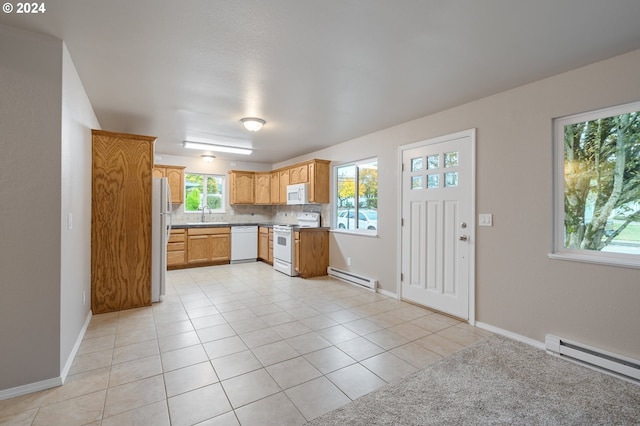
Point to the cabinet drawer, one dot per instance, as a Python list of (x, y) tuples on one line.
[(176, 238), (175, 246), (175, 258), (208, 231), (264, 230)]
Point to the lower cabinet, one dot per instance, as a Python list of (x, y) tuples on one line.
[(176, 249), (265, 244), (208, 245), (311, 256)]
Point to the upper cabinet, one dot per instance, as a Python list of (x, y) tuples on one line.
[(271, 187), (175, 176), (262, 188), (241, 187)]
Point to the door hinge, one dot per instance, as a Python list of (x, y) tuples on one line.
[(402, 222), (403, 167), (401, 277)]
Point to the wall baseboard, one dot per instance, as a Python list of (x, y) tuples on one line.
[(387, 293), (76, 346), (54, 381), (511, 335), (30, 388)]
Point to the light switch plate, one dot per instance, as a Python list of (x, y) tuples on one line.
[(485, 219)]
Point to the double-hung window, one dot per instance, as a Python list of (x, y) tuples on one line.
[(204, 191), (597, 184), (356, 197)]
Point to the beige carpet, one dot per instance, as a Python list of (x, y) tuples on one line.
[(496, 381)]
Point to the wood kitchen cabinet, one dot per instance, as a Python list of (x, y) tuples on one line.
[(241, 187), (263, 243), (262, 187), (208, 245), (177, 249), (299, 174), (275, 187), (175, 176), (311, 252), (283, 182), (271, 246), (120, 221)]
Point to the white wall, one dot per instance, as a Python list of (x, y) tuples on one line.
[(518, 288), (30, 126), (78, 119)]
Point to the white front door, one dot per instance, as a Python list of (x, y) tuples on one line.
[(438, 227)]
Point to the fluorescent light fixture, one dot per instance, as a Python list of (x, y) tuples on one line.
[(216, 148), (253, 124)]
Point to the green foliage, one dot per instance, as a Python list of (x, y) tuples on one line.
[(193, 199)]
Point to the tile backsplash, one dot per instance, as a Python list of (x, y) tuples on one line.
[(254, 214)]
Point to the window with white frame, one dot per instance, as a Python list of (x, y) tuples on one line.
[(597, 184), (356, 196), (203, 191)]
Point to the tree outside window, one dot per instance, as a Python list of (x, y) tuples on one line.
[(203, 190), (601, 181), (357, 196)]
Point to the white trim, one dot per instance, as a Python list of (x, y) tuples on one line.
[(558, 250), (30, 388), (511, 335), (76, 346), (362, 233), (470, 133), (388, 293)]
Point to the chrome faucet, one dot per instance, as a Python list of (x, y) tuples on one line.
[(202, 217)]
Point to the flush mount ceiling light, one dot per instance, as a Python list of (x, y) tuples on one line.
[(216, 148), (253, 124), (208, 158)]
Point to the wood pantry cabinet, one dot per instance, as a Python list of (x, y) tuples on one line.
[(120, 221), (311, 252), (177, 249), (208, 245), (265, 244), (175, 176)]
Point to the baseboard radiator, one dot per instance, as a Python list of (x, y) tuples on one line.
[(350, 277), (604, 361)]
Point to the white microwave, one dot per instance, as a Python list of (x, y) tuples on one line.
[(298, 194)]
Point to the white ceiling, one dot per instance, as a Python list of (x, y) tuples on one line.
[(320, 72)]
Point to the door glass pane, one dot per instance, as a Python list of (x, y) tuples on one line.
[(416, 164), (433, 162), (416, 182), (451, 179), (432, 181), (451, 159)]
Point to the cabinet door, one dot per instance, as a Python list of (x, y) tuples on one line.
[(220, 247), (263, 244), (299, 174), (275, 188), (319, 178), (270, 245), (175, 176), (241, 185), (284, 181), (296, 248), (157, 172), (198, 249), (262, 188)]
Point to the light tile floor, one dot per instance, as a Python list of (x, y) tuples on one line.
[(241, 344)]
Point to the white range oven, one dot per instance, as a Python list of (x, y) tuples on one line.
[(283, 242)]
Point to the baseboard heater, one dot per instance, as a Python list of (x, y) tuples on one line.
[(352, 278), (604, 361)]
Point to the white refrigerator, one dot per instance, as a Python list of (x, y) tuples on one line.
[(160, 231)]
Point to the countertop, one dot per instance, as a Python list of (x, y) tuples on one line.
[(228, 224)]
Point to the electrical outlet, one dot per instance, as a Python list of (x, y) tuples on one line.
[(84, 298), (348, 261), (69, 221)]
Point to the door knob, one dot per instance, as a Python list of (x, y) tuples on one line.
[(463, 238)]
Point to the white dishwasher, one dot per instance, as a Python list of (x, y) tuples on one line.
[(244, 244)]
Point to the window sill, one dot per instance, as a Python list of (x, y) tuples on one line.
[(369, 234), (585, 258)]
